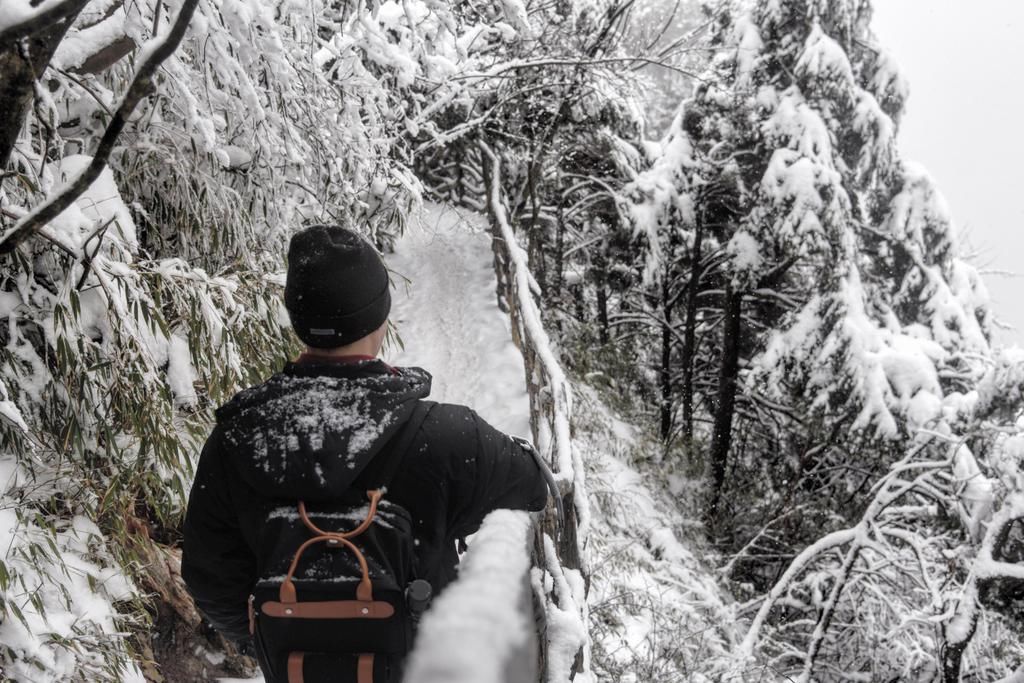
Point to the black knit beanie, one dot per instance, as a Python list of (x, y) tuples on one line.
[(337, 287)]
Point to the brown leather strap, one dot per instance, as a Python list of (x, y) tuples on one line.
[(295, 667), (374, 495), (364, 670), (252, 614), (329, 609), (365, 589)]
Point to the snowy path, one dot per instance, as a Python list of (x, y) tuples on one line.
[(449, 321), (446, 313)]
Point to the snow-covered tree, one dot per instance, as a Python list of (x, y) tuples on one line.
[(848, 337), (659, 203), (880, 332)]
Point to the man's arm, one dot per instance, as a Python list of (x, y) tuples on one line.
[(497, 473), (217, 565)]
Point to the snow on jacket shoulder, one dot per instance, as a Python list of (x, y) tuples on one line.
[(308, 433)]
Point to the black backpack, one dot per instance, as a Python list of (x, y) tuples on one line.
[(331, 601)]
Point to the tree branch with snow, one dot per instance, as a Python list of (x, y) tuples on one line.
[(152, 55)]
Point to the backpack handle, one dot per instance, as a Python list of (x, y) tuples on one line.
[(374, 495), (364, 591)]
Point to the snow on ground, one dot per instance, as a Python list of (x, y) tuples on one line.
[(656, 613), (448, 318), (450, 324)]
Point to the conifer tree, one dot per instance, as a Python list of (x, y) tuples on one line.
[(849, 335), (880, 328)]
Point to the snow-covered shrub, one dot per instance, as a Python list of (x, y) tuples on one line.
[(657, 611), (110, 365), (62, 592)]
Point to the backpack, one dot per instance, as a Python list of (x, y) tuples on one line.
[(331, 602)]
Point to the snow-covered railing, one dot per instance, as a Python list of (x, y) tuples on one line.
[(559, 567), (482, 627)]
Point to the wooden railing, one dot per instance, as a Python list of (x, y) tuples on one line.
[(560, 536)]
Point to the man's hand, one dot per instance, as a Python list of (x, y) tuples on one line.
[(549, 478)]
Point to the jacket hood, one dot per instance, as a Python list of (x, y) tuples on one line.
[(308, 432)]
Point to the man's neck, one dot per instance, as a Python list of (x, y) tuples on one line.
[(348, 355), (354, 352)]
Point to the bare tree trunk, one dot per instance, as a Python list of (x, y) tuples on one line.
[(953, 653), (536, 239), (828, 611), (690, 334), (725, 403), (601, 276), (23, 58), (458, 192), (559, 244), (665, 373)]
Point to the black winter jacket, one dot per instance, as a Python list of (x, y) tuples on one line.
[(308, 433)]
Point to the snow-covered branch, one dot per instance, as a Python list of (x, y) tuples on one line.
[(152, 55), (887, 491), (22, 18)]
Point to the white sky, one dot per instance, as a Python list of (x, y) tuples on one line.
[(965, 64)]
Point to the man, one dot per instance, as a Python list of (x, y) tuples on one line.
[(313, 431)]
